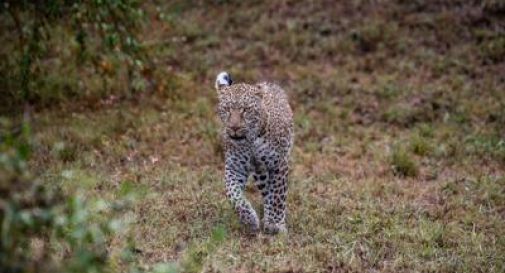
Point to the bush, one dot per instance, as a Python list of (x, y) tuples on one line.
[(42, 230), (49, 46)]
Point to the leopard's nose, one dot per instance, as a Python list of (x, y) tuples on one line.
[(235, 128)]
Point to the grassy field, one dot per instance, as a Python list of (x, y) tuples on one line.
[(399, 157)]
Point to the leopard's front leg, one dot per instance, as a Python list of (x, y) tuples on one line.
[(236, 174), (274, 185)]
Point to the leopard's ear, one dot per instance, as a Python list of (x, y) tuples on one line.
[(223, 79)]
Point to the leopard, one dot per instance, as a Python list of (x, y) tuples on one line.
[(257, 134)]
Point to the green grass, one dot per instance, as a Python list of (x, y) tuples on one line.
[(402, 163), (434, 202), (420, 146)]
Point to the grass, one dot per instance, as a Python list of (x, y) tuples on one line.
[(400, 78), (402, 163)]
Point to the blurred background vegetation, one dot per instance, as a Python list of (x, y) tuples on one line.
[(57, 50), (110, 158)]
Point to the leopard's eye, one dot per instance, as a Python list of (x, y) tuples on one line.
[(226, 108)]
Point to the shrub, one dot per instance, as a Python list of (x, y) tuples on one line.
[(49, 46), (41, 226)]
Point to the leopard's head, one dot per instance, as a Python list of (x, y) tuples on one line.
[(240, 108)]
